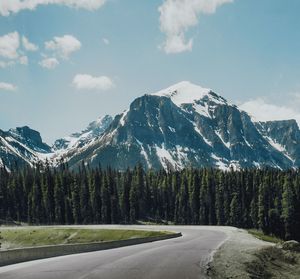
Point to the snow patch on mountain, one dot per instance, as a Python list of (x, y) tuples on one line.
[(183, 93), (78, 140), (186, 92), (166, 157), (144, 153), (227, 144), (220, 162), (208, 142), (279, 147), (122, 120)]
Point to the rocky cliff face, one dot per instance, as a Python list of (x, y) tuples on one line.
[(22, 146), (284, 136)]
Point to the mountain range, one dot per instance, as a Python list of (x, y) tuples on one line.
[(182, 126)]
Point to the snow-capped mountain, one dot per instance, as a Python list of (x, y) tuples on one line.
[(284, 136), (22, 146), (78, 140), (181, 126)]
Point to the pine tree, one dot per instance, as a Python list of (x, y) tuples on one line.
[(134, 202), (96, 196), (235, 211), (76, 202), (263, 207), (105, 202), (37, 210), (288, 209), (183, 204), (195, 192), (85, 202), (49, 194), (125, 203), (59, 201), (219, 205), (203, 200)]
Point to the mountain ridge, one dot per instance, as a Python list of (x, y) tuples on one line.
[(182, 126)]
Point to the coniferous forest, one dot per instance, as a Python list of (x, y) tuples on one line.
[(266, 199)]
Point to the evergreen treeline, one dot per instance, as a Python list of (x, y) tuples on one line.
[(264, 199)]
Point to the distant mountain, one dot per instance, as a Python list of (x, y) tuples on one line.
[(22, 146), (78, 140), (182, 126), (284, 136)]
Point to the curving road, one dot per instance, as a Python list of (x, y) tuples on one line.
[(179, 258)]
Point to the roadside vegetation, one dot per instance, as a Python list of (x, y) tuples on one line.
[(32, 237), (269, 238), (277, 261), (247, 256), (274, 262)]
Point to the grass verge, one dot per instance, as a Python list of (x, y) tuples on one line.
[(260, 235), (32, 237)]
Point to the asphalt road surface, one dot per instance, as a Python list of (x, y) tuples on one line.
[(180, 258)]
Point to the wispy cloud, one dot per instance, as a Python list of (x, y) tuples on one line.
[(23, 60), (13, 49), (7, 86), (106, 41), (8, 7), (88, 82), (9, 45), (177, 16), (28, 45), (63, 46), (49, 63), (262, 109), (5, 64)]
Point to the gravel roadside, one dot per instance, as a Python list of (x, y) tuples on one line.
[(232, 258)]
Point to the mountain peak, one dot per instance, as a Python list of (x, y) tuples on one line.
[(186, 92), (99, 123), (94, 129), (30, 138)]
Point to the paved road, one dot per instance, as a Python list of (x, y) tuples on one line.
[(180, 258)]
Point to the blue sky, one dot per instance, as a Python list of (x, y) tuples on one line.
[(248, 51)]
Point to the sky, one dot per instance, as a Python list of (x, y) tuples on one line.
[(64, 63)]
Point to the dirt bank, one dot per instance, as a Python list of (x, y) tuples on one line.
[(244, 256)]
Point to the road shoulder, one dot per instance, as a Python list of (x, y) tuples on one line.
[(231, 259)]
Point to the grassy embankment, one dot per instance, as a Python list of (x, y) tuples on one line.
[(260, 235), (273, 261), (31, 237)]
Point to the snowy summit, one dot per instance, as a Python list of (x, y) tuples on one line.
[(186, 92)]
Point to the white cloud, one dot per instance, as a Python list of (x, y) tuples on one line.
[(23, 60), (28, 45), (9, 45), (7, 86), (177, 44), (49, 63), (177, 16), (87, 82), (4, 64), (8, 7), (63, 46), (261, 110), (10, 50), (106, 41)]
